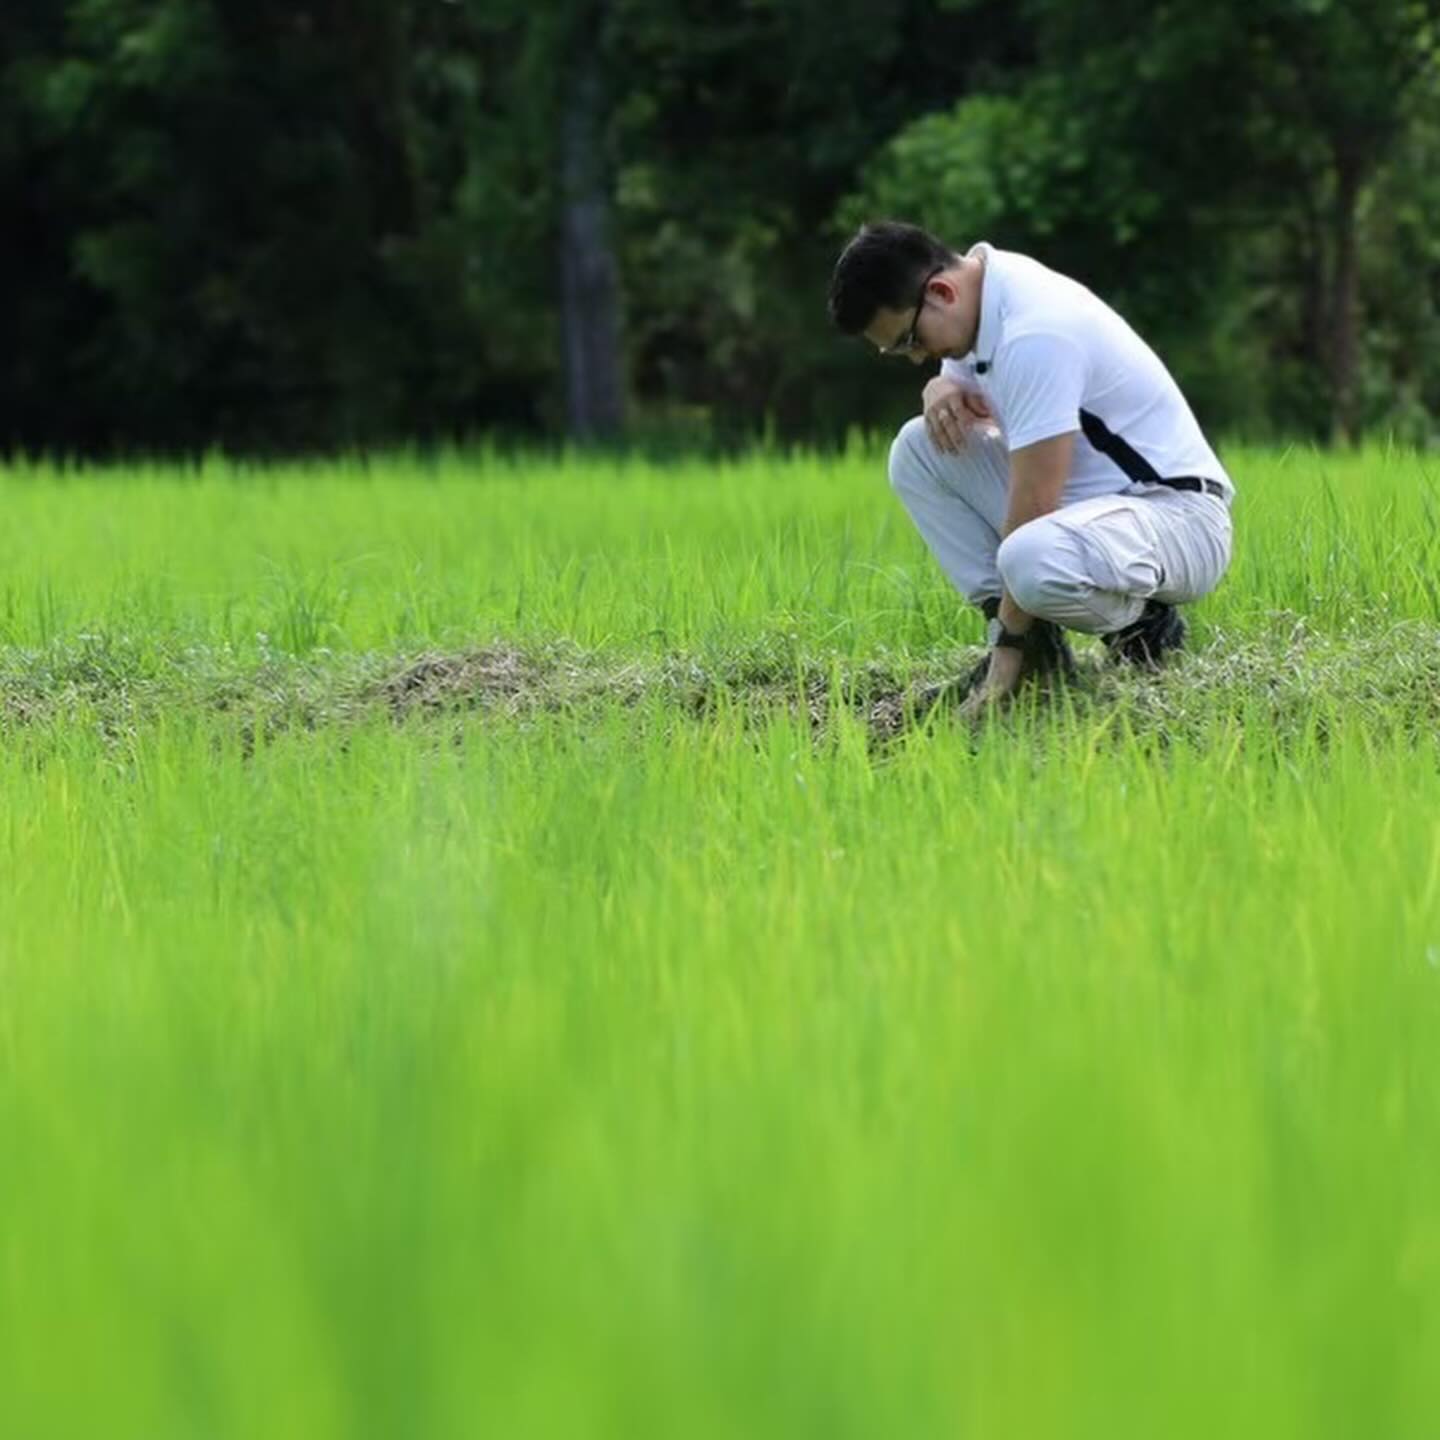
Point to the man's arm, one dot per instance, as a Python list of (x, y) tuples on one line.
[(1037, 478)]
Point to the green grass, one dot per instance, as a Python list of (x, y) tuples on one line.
[(635, 1043), (801, 552)]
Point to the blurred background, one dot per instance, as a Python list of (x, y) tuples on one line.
[(281, 227)]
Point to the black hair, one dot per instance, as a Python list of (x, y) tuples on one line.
[(882, 268)]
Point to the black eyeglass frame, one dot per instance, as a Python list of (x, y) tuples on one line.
[(909, 342)]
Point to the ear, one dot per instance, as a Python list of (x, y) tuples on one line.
[(944, 289)]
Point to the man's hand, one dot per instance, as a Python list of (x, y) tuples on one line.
[(950, 410), (1002, 675)]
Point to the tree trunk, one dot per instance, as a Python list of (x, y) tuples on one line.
[(1344, 307), (589, 273)]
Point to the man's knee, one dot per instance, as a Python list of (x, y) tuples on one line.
[(916, 466), (911, 455), (1048, 573), (1027, 561)]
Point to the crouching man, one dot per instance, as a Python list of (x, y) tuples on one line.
[(1057, 473)]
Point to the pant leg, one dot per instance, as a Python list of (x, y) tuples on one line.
[(1196, 539), (1092, 565), (956, 501)]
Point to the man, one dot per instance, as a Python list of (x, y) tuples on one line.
[(1056, 473)]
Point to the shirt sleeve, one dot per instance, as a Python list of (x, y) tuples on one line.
[(1039, 386), (960, 371)]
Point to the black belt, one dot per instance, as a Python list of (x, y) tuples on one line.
[(1192, 482)]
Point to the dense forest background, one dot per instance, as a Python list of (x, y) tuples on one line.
[(281, 226)]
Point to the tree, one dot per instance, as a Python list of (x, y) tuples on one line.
[(590, 278), (1203, 166), (736, 133), (1335, 85), (261, 229)]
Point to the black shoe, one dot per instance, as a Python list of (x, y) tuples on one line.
[(957, 690), (1047, 656), (1047, 653), (1147, 641)]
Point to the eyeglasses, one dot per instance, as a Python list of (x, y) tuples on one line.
[(909, 341)]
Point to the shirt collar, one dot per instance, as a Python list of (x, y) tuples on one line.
[(987, 333)]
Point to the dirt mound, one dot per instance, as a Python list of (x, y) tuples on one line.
[(501, 677), (496, 676)]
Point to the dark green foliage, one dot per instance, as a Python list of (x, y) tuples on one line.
[(1215, 171), (277, 226), (258, 226)]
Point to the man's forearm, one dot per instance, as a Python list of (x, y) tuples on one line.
[(1037, 480), (1023, 506), (1012, 617)]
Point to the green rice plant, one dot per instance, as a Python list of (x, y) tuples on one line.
[(522, 995), (623, 556)]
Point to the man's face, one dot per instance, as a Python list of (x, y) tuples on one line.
[(927, 330)]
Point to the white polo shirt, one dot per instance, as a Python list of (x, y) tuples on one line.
[(1051, 357)]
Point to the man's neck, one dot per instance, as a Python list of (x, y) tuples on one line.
[(970, 284)]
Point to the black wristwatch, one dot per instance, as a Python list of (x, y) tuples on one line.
[(1009, 639)]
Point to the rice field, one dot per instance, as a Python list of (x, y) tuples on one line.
[(486, 949)]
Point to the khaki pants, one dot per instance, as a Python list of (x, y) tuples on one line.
[(1090, 565)]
